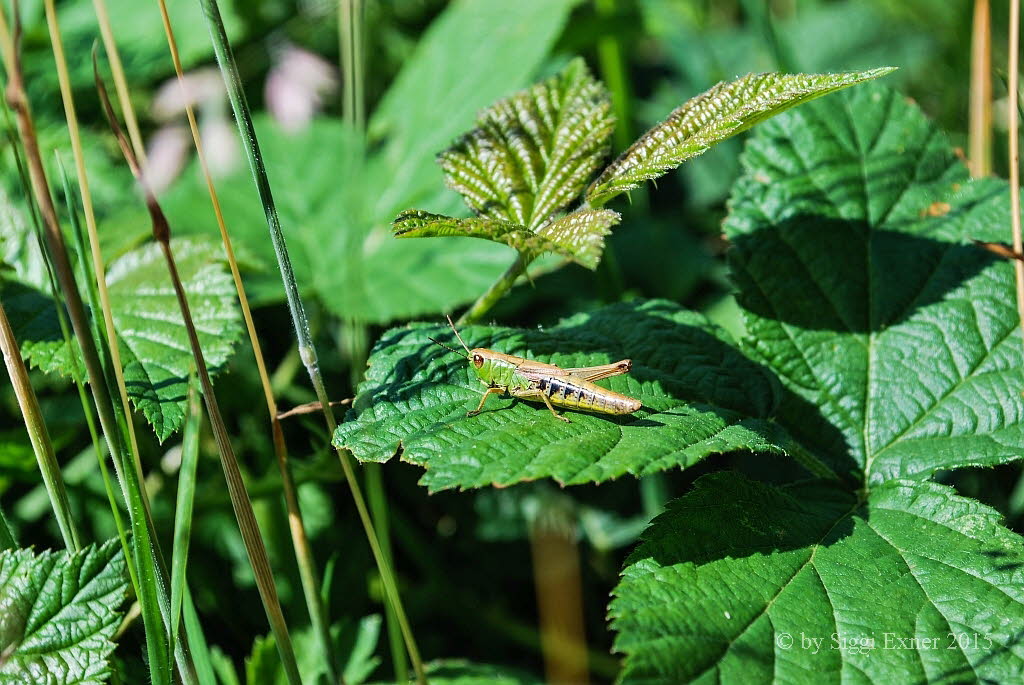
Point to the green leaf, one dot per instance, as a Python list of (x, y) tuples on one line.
[(721, 112), (154, 345), (897, 341), (336, 200), (898, 349), (58, 613), (737, 580), (533, 153), (578, 236), (700, 397)]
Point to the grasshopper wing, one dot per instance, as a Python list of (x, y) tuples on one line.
[(596, 373)]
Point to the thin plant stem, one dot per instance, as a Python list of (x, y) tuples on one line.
[(1014, 143), (242, 505), (300, 322), (38, 434), (120, 82), (90, 420), (98, 337), (345, 56), (359, 65), (150, 590), (7, 540), (303, 554), (90, 222), (979, 132), (495, 292), (183, 504), (76, 371), (379, 508)]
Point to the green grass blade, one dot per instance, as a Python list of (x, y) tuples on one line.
[(183, 507), (197, 641), (38, 434)]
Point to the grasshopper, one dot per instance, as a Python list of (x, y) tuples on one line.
[(539, 382)]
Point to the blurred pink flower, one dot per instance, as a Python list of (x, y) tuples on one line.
[(296, 87), (167, 152), (201, 87), (168, 148)]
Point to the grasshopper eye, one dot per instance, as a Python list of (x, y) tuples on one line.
[(478, 360)]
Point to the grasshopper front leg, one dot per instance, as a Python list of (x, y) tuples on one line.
[(483, 399)]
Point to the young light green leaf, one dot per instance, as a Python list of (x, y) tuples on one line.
[(154, 347), (578, 236), (58, 613), (740, 581), (723, 111), (463, 672), (897, 340), (700, 397), (338, 233), (533, 153)]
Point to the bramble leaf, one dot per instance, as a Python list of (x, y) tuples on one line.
[(851, 231), (58, 613), (723, 111), (533, 153), (578, 236), (700, 397), (898, 347), (740, 581), (154, 346)]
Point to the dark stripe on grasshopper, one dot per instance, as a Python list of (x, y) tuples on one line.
[(564, 392)]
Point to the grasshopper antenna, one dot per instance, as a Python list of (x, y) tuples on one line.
[(450, 349), (466, 347)]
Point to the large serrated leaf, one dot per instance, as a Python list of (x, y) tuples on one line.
[(533, 153), (898, 347), (700, 397), (723, 111), (745, 582), (58, 613), (578, 236), (851, 231), (154, 345), (336, 199)]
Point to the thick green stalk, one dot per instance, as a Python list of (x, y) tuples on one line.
[(307, 350), (38, 434)]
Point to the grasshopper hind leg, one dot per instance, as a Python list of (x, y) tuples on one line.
[(553, 412)]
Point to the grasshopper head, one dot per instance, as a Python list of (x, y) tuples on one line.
[(477, 357)]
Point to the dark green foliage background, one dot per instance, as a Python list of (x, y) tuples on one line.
[(463, 557)]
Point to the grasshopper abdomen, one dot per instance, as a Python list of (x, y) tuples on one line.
[(573, 393)]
